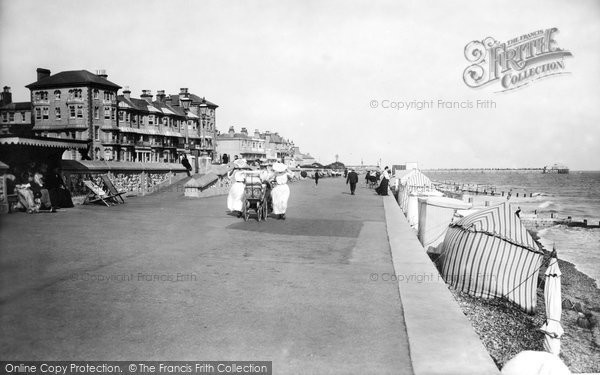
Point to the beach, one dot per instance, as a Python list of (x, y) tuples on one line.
[(506, 330)]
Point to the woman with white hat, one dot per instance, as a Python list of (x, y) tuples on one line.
[(281, 191), (235, 199)]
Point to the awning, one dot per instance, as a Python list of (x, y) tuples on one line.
[(43, 142)]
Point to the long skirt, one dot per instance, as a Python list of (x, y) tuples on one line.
[(235, 199), (280, 195), (382, 189)]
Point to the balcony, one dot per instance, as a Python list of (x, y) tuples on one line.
[(142, 144), (127, 142)]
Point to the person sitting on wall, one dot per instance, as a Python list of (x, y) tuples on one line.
[(186, 164)]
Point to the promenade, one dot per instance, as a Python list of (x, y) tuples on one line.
[(164, 277)]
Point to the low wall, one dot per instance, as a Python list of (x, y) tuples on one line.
[(207, 185), (441, 338), (132, 178)]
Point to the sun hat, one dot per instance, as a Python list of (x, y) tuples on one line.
[(279, 167), (240, 163)]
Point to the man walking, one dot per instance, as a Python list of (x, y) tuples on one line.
[(316, 177), (352, 179)]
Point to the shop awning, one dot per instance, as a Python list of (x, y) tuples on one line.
[(53, 143)]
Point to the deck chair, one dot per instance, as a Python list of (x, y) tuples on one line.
[(95, 194), (112, 190)]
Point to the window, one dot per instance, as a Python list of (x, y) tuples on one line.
[(113, 113), (38, 113), (97, 133), (72, 111), (128, 117), (11, 116), (78, 94), (107, 113), (4, 117), (96, 94), (121, 116), (23, 116), (57, 113), (45, 113), (151, 120), (56, 94), (97, 112), (79, 111)]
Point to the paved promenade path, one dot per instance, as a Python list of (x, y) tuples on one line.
[(80, 284)]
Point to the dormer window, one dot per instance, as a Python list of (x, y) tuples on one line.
[(56, 94)]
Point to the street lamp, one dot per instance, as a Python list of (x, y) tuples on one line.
[(185, 100), (203, 113)]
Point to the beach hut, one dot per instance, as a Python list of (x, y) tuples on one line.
[(435, 214), (412, 207), (490, 254), (413, 182)]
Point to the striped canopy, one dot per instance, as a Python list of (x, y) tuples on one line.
[(490, 254), (412, 182)]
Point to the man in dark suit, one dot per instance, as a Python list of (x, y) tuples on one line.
[(352, 179)]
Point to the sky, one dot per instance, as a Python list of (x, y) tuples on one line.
[(324, 73)]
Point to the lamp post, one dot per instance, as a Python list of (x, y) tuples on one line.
[(185, 104), (203, 113)]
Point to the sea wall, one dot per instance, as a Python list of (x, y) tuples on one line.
[(132, 178)]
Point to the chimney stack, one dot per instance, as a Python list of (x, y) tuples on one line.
[(102, 73), (231, 131), (169, 100), (42, 73), (127, 93), (160, 96), (244, 131), (147, 95), (6, 96), (256, 133)]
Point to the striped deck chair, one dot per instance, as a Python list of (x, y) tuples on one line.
[(95, 194), (112, 190)]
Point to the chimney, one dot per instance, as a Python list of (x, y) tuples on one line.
[(169, 100), (256, 133), (184, 93), (147, 95), (127, 93), (102, 73), (6, 96), (42, 73), (231, 131), (160, 96), (244, 131)]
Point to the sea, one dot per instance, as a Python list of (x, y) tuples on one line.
[(576, 194)]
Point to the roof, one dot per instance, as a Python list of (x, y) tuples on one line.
[(17, 106), (195, 100), (72, 78), (44, 142)]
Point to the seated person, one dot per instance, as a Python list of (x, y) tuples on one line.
[(60, 196), (40, 192)]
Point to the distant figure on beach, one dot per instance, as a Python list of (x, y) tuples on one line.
[(352, 179), (382, 189), (509, 194), (186, 164), (317, 177), (518, 212)]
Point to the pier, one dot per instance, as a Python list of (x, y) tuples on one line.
[(338, 287)]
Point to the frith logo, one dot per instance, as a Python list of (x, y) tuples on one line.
[(515, 63)]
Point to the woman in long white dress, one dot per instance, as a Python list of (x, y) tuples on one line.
[(281, 191), (235, 199)]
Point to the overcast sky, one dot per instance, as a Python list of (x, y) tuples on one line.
[(310, 70)]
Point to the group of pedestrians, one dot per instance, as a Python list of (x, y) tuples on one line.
[(275, 177)]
